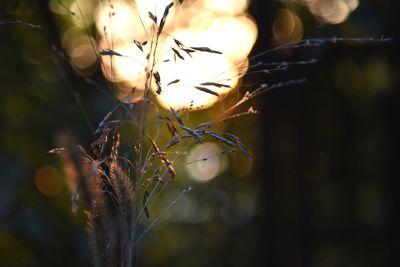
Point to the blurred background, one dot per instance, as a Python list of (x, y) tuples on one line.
[(320, 189)]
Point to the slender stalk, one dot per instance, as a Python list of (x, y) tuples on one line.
[(139, 172)]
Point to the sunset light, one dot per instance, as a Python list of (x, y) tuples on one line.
[(332, 11), (130, 28)]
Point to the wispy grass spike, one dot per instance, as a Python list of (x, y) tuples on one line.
[(153, 17), (219, 85), (177, 117), (176, 52), (164, 18), (139, 45), (173, 82), (109, 52), (206, 90), (206, 49), (157, 77)]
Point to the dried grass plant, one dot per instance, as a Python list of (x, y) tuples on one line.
[(116, 183)]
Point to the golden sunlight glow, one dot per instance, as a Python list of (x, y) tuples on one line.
[(48, 180), (287, 27), (55, 7), (230, 7), (82, 9), (83, 56), (219, 25), (81, 52), (126, 68), (79, 48), (332, 11), (70, 37), (234, 36), (119, 22), (352, 4), (193, 71), (205, 161)]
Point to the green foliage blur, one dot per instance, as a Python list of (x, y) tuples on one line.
[(321, 191)]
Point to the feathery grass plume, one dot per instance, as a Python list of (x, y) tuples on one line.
[(128, 164)]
